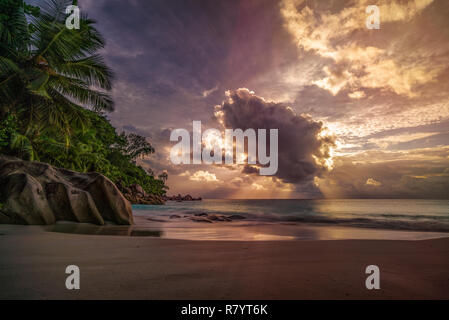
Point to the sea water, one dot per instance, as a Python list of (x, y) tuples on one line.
[(407, 219)]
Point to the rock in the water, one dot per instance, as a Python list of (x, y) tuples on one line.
[(236, 217), (202, 214), (217, 217), (200, 219), (38, 193)]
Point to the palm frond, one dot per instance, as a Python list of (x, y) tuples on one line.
[(92, 70), (54, 42), (14, 32), (7, 66), (78, 91), (23, 146)]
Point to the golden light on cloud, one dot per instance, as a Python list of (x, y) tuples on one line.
[(373, 182), (257, 186), (357, 65), (400, 138), (204, 176), (357, 94), (213, 138)]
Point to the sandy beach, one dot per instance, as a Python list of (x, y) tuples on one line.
[(33, 262)]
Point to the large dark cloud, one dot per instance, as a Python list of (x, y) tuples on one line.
[(303, 151)]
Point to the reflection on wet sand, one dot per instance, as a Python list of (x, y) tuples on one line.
[(107, 230), (239, 231)]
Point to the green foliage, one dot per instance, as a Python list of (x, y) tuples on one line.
[(32, 10), (163, 176), (8, 7), (47, 79), (47, 75), (8, 127), (135, 146), (13, 24), (99, 148)]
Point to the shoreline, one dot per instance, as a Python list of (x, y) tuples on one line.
[(242, 231), (112, 267)]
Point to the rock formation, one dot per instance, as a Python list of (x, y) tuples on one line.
[(136, 195), (38, 193), (187, 197)]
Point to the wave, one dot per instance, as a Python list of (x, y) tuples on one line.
[(431, 223)]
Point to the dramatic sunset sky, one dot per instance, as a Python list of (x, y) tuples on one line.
[(361, 113)]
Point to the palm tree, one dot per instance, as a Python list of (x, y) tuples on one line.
[(163, 176), (48, 74)]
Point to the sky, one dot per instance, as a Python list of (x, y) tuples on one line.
[(361, 113)]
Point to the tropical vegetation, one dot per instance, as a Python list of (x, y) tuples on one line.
[(54, 93)]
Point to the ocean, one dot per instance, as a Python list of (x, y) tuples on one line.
[(325, 219)]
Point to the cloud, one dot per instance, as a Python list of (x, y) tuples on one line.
[(351, 63), (185, 174), (207, 93), (204, 176), (248, 169), (420, 173), (372, 182), (257, 186), (304, 151), (376, 90), (356, 94)]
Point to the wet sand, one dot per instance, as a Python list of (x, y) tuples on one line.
[(33, 262)]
